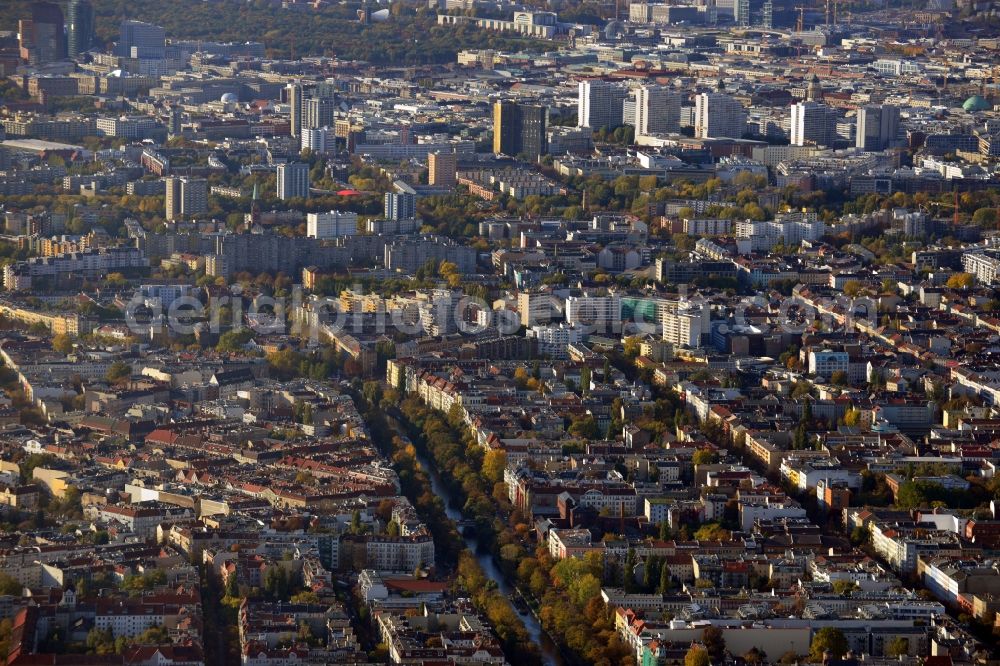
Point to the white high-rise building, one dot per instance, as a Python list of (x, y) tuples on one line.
[(599, 104), (437, 311), (553, 339), (295, 112), (657, 111), (400, 205), (687, 324), (594, 313), (293, 181), (718, 115), (333, 224), (318, 140), (317, 112), (877, 127), (628, 110), (185, 197), (539, 307), (812, 123)]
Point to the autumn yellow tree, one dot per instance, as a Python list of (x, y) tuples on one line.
[(853, 288), (712, 532), (62, 343), (697, 656), (960, 281), (449, 271), (494, 463)]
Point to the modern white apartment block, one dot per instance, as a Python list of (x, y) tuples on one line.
[(333, 224)]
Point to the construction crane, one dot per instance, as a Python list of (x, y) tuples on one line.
[(832, 6), (800, 23), (955, 218)]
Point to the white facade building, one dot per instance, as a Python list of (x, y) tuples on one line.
[(687, 324), (385, 553), (185, 197), (985, 267), (657, 111), (790, 229), (332, 224), (293, 181), (319, 140), (553, 340), (599, 104), (812, 123), (826, 362), (877, 127), (597, 312), (718, 115), (126, 127)]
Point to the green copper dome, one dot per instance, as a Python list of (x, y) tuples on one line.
[(976, 103)]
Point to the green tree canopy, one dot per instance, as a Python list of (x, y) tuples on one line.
[(828, 639), (118, 372)]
